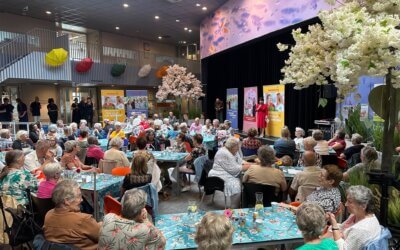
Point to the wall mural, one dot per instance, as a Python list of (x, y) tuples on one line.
[(239, 21)]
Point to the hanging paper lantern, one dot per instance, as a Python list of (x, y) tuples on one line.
[(56, 57), (162, 72), (144, 71), (118, 69), (84, 65)]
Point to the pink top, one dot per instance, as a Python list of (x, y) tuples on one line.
[(195, 128), (95, 152), (46, 188)]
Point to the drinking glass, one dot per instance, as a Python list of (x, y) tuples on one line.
[(192, 208), (259, 202)]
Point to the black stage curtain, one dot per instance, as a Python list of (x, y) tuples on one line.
[(258, 63)]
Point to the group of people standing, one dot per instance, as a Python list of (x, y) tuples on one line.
[(82, 110)]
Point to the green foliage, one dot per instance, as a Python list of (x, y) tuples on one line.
[(355, 125), (394, 207), (322, 102), (377, 135), (193, 113)]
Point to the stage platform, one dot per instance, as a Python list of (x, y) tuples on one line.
[(264, 140)]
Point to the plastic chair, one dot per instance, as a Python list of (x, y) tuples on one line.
[(249, 198), (107, 166), (211, 185), (120, 171), (111, 205), (40, 207), (382, 242)]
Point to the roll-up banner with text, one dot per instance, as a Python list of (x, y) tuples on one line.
[(274, 97), (137, 101), (249, 108), (112, 105), (232, 106)]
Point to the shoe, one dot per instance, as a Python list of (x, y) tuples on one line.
[(185, 189)]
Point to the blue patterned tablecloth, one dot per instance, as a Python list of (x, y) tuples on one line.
[(209, 141), (279, 227), (103, 144), (163, 156), (106, 184)]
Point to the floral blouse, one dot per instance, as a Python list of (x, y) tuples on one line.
[(15, 184), (119, 233), (196, 153)]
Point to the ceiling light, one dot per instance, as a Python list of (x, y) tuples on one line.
[(117, 28), (157, 17), (198, 5), (184, 42), (190, 30), (48, 12), (125, 5), (160, 37), (177, 20), (204, 8), (185, 28)]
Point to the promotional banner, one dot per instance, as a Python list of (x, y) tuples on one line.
[(112, 105), (232, 106), (137, 101), (274, 97), (249, 108)]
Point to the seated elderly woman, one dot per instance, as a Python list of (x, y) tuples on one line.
[(214, 232), (139, 174), (356, 140), (265, 173), (251, 142), (228, 165), (322, 147), (70, 160), (299, 133), (153, 143), (98, 131), (114, 154), (14, 180), (308, 145), (118, 132), (52, 171), (54, 147), (337, 142), (22, 141), (310, 219), (132, 224), (196, 126), (285, 145), (328, 195), (65, 223), (94, 150), (362, 225), (369, 161)]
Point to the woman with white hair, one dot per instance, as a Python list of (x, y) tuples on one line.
[(299, 133), (118, 132), (356, 140), (214, 232), (65, 223), (228, 165), (196, 126), (132, 224), (52, 171), (22, 141), (98, 131), (114, 154), (310, 218), (362, 225)]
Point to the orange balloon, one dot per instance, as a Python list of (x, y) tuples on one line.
[(162, 72)]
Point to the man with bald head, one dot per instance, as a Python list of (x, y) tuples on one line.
[(305, 182)]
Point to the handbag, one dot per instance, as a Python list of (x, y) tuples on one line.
[(23, 228)]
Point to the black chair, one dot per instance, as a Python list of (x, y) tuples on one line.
[(211, 185), (40, 207), (249, 194), (248, 151), (329, 159), (40, 243), (91, 161)]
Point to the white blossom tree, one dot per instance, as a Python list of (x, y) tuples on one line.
[(358, 37)]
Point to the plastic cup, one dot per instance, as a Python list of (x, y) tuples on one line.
[(274, 206)]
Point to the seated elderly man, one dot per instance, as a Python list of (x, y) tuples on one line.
[(5, 139), (70, 159), (132, 224), (65, 223), (285, 145), (228, 165), (37, 159), (305, 182)]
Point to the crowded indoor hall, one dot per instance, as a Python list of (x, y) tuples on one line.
[(209, 124)]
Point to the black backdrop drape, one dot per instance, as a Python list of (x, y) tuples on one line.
[(258, 63)]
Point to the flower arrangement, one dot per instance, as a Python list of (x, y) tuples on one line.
[(178, 83), (228, 213)]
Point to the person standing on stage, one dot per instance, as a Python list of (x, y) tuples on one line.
[(22, 113), (89, 111), (82, 109), (219, 107), (52, 111), (76, 116), (262, 114), (35, 109)]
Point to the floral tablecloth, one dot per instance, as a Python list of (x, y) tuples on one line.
[(163, 156), (279, 227), (106, 184), (103, 144)]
